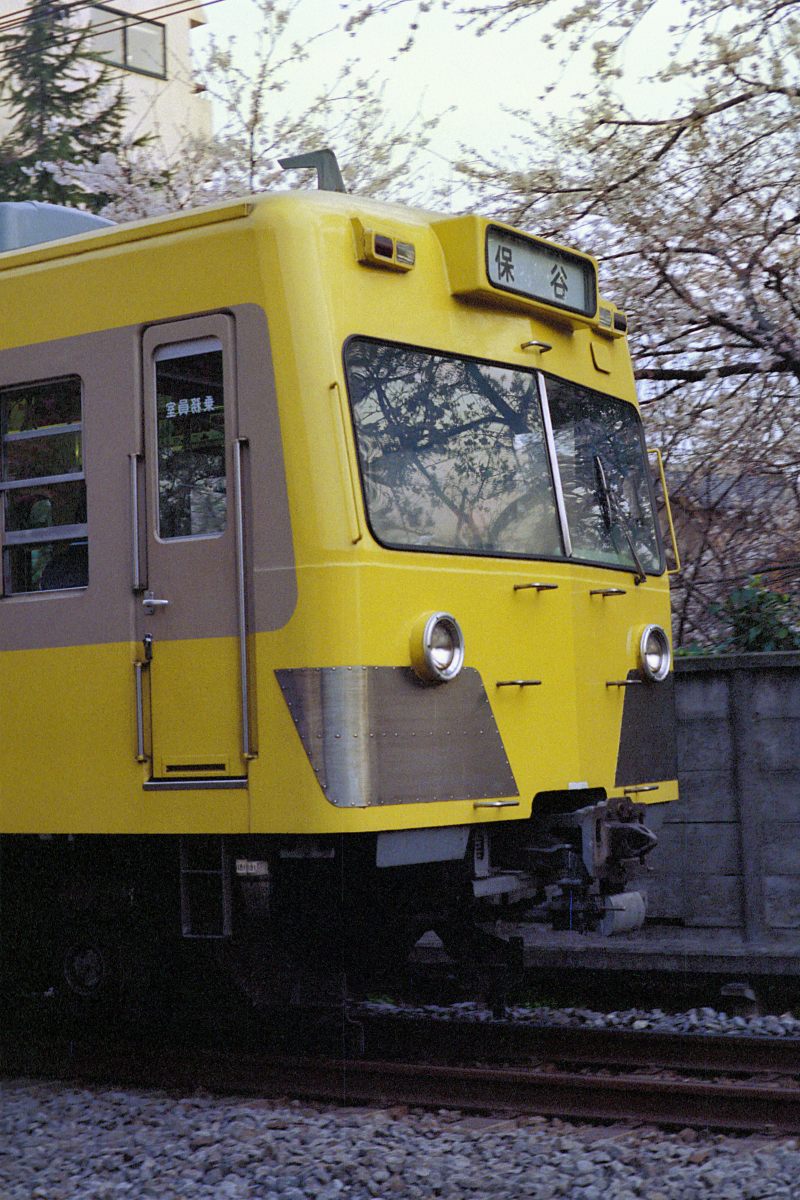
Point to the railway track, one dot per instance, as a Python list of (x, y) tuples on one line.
[(498, 1041), (723, 1083)]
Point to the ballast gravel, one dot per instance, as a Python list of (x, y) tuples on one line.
[(655, 1020), (61, 1143)]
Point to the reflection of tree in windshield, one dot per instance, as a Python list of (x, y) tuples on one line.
[(452, 452), (598, 441), (453, 456)]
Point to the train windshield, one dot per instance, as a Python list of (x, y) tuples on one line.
[(455, 457)]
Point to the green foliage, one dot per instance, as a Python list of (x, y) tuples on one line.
[(695, 650), (60, 103), (760, 620), (536, 999)]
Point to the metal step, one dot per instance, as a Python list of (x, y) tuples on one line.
[(205, 887)]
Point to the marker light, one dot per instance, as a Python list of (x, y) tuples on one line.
[(375, 248), (655, 657), (437, 647)]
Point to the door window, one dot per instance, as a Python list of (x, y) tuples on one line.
[(190, 411)]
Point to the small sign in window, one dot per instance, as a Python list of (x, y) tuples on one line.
[(190, 415)]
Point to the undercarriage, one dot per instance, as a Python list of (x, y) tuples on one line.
[(98, 920)]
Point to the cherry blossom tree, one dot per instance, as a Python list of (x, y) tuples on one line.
[(695, 216), (261, 124)]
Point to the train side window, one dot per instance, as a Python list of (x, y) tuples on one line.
[(43, 486), (190, 418)]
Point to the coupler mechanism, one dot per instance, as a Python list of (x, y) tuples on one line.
[(572, 863)]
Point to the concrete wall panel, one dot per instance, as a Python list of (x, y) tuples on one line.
[(729, 851)]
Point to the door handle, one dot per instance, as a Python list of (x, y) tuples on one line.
[(151, 602)]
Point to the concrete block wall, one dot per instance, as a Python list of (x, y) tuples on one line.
[(729, 851)]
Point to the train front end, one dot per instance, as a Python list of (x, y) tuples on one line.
[(334, 604), (475, 688)]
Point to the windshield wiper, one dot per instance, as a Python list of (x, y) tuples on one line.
[(613, 514)]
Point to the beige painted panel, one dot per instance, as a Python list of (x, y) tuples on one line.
[(108, 610)]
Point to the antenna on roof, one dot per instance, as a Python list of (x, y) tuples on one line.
[(329, 177)]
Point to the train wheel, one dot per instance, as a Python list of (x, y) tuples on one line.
[(85, 969), (90, 981)]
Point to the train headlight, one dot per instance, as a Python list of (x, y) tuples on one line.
[(437, 647), (655, 657)]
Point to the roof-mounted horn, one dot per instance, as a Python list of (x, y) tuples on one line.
[(329, 177)]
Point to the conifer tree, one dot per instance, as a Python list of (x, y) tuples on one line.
[(62, 106)]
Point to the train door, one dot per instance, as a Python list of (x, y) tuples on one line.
[(190, 604)]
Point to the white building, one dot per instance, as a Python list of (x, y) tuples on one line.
[(152, 54)]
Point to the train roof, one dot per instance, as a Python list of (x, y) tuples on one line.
[(33, 232)]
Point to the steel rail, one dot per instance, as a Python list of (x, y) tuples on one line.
[(446, 1040), (577, 1095), (626, 1097)]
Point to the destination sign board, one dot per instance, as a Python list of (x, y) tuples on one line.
[(528, 267)]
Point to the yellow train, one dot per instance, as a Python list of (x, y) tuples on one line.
[(334, 604)]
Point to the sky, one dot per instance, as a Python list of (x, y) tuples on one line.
[(449, 68)]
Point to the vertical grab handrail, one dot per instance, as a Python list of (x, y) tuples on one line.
[(351, 470), (138, 668), (136, 561), (668, 510), (141, 665), (241, 595)]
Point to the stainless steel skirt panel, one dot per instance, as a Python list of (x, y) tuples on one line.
[(378, 735), (647, 747)]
